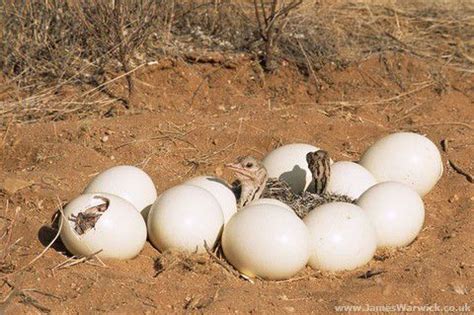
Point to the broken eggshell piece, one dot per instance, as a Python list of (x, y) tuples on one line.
[(103, 223)]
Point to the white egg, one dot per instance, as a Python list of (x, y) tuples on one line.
[(127, 182), (266, 241), (396, 211), (119, 232), (220, 190), (183, 218), (342, 237), (350, 179), (269, 201), (405, 157), (288, 163)]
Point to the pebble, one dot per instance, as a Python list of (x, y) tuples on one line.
[(104, 138), (454, 198)]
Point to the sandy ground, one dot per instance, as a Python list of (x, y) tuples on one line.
[(190, 119)]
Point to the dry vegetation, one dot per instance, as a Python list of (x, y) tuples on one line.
[(49, 46)]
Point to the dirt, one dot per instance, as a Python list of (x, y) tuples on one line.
[(190, 119)]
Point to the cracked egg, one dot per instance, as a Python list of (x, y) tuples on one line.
[(103, 224)]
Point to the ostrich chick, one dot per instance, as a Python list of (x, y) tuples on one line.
[(319, 164), (253, 183), (252, 178)]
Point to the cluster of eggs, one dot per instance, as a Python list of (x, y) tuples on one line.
[(266, 238)]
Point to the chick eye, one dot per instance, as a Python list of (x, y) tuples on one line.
[(249, 165)]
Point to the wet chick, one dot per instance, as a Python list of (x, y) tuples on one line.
[(319, 164), (86, 220), (253, 183)]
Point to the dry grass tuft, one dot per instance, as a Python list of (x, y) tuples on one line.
[(189, 262), (8, 221)]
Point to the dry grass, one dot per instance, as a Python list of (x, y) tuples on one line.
[(50, 46)]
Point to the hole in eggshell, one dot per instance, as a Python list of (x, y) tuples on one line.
[(87, 219)]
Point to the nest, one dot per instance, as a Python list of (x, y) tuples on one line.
[(301, 204)]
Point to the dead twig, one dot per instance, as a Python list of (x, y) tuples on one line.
[(271, 22), (74, 260), (29, 300), (170, 135), (379, 102), (224, 264), (455, 123), (25, 298), (205, 159), (200, 302), (204, 79), (126, 74), (370, 273), (462, 172), (445, 145), (294, 279), (47, 247)]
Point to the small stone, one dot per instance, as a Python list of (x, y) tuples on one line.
[(104, 138), (454, 198), (112, 157)]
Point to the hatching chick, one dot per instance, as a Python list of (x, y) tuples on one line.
[(252, 176), (319, 164)]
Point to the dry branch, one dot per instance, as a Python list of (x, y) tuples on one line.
[(459, 170), (271, 23)]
